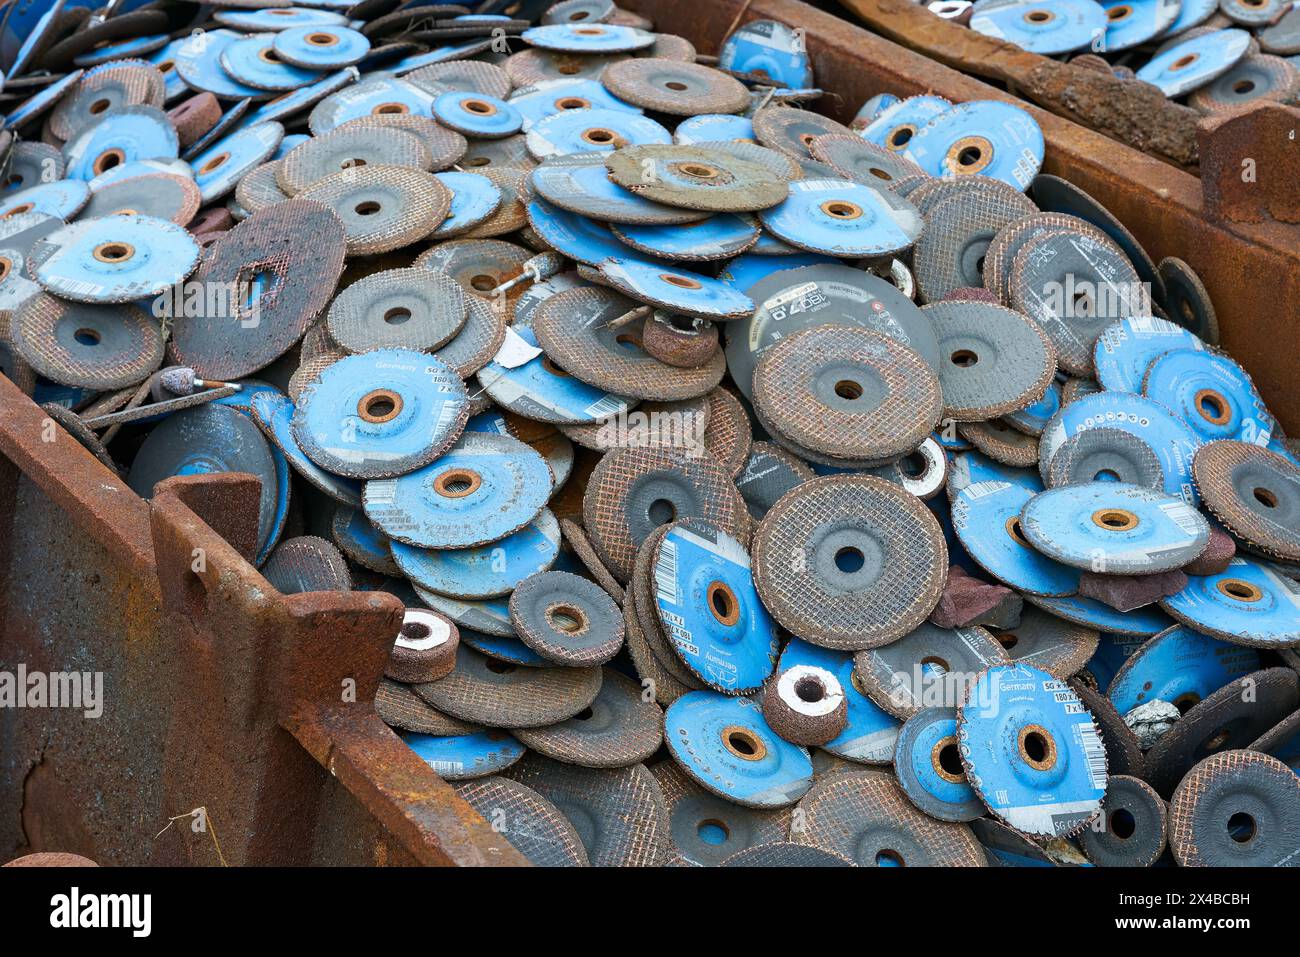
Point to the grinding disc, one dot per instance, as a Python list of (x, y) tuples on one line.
[(477, 114), (467, 75), (706, 830), (930, 667), (847, 392), (380, 414), (710, 127), (290, 281), (580, 545), (728, 434), (425, 649), (633, 491), (465, 757), (1047, 29), (496, 694), (1236, 809), (566, 619), (718, 237), (1130, 23), (479, 265), (769, 472), (89, 346), (446, 147), (842, 218), (684, 342), (1194, 61), (400, 707), (1131, 830), (1126, 349), (864, 816), (160, 195), (113, 259), (382, 207), (649, 425), (786, 854), (533, 65), (572, 327), (704, 596), (855, 158), (1256, 78), (474, 199), (997, 360), (870, 732), (599, 130), (483, 488), (1000, 442), (695, 177), (376, 96), (1140, 622), (767, 52), (1033, 418), (488, 571), (1254, 493), (1032, 751), (584, 240), (588, 38), (533, 825), (1180, 666), (253, 62), (484, 625), (287, 104), (100, 91), (849, 562), (361, 542), (41, 101), (642, 587), (1114, 529), (1213, 394), (273, 412), (63, 198), (677, 290), (794, 300), (1231, 717), (510, 213), (274, 19), (923, 472), (791, 131), (1010, 239), (306, 564), (579, 182), (1282, 741), (1048, 643), (805, 705), (1248, 603), (621, 728), (1283, 36), (345, 148), (198, 63), (928, 764), (1098, 455), (619, 813), (412, 308), (73, 424), (982, 138), (727, 747), (1188, 301), (674, 87), (655, 677), (321, 47)]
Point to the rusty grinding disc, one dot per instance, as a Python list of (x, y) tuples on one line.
[(855, 158), (685, 342), (478, 340), (341, 149), (410, 308), (1236, 809), (768, 473), (1056, 646), (1254, 493), (1104, 455), (1009, 239), (620, 728), (400, 707), (1132, 827), (927, 761), (705, 829), (697, 178), (382, 207), (479, 265), (307, 564), (161, 195), (566, 619), (126, 83), (805, 705), (1001, 442), (89, 346), (930, 666), (674, 87), (425, 649), (533, 825)]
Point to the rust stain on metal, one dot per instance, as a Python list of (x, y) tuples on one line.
[(1250, 165)]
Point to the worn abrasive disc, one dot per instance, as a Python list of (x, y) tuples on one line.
[(951, 253), (1033, 418), (509, 214), (573, 328), (580, 183), (769, 472), (533, 825), (655, 677), (1186, 298), (63, 198), (786, 854), (1123, 750), (89, 346), (483, 488), (930, 667), (705, 829), (382, 207), (928, 764), (317, 47), (1254, 493), (446, 147), (128, 83), (843, 218), (1236, 809), (488, 571), (641, 586), (273, 412), (791, 131), (1249, 603), (870, 732), (620, 728), (805, 705), (588, 38), (983, 138), (855, 158), (599, 130), (864, 815), (633, 491), (675, 87), (1002, 249), (725, 744), (307, 564), (1180, 666), (1105, 455), (649, 425), (342, 149), (847, 392), (996, 360), (502, 695), (1256, 78), (729, 432), (411, 308), (1213, 394), (789, 301), (258, 188), (113, 259), (717, 237), (465, 757), (474, 199), (533, 65), (1049, 643), (478, 340), (566, 619), (400, 707), (284, 282), (849, 561), (479, 265), (1032, 751), (160, 195), (1132, 828), (380, 414), (372, 97), (361, 542), (696, 178), (469, 75)]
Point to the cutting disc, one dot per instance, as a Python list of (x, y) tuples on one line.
[(1133, 22), (1249, 603), (533, 825), (1132, 827), (863, 815), (274, 413), (726, 746), (675, 87), (1045, 28), (960, 227), (412, 308), (306, 564), (710, 127), (400, 707), (572, 327), (717, 237), (791, 131), (477, 114), (706, 829), (930, 667), (88, 346), (678, 290), (599, 130), (793, 300), (566, 619), (1125, 350), (274, 19), (474, 198), (63, 198), (253, 62), (855, 158), (113, 259), (1235, 809), (1283, 36), (588, 38), (769, 472), (1194, 62), (321, 47), (361, 542), (484, 625), (1180, 666), (381, 414), (131, 83), (621, 729), (41, 101), (696, 177), (1188, 301), (382, 207), (634, 491), (219, 168), (1256, 78), (1163, 432), (847, 392), (540, 100), (841, 218), (483, 489), (464, 757), (274, 287), (160, 195), (579, 182), (982, 138), (486, 691), (376, 96), (1105, 455), (346, 147), (1254, 492), (488, 571), (1049, 643), (479, 265), (1114, 529), (1032, 751), (997, 360), (849, 562), (1212, 393), (928, 764)]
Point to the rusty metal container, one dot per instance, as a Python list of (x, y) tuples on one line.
[(257, 708)]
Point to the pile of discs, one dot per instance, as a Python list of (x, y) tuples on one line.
[(760, 491), (1214, 55)]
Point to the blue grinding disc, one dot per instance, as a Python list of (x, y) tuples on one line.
[(465, 756), (114, 258), (985, 138), (1180, 666), (928, 764), (1189, 65), (1212, 393), (768, 51), (588, 38), (1249, 603), (592, 130), (1133, 22), (477, 114), (869, 736), (1048, 28), (321, 47), (488, 571), (843, 218), (274, 413), (1126, 349)]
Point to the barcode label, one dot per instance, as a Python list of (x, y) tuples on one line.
[(446, 414), (666, 573), (1184, 516), (1094, 752), (604, 407)]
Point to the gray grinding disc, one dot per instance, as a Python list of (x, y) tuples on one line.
[(729, 434), (1010, 238), (478, 340), (581, 546), (566, 619), (849, 562), (619, 729), (307, 564), (695, 177), (786, 854), (410, 308), (1001, 443), (258, 188), (792, 131), (1254, 493), (84, 345), (536, 66), (337, 150), (400, 707), (533, 825), (1132, 828), (705, 829), (855, 158), (382, 207), (126, 83), (1104, 454), (674, 87), (162, 195), (1186, 299), (446, 147), (931, 665), (769, 472), (1053, 644), (1257, 78), (479, 265), (951, 253), (473, 76)]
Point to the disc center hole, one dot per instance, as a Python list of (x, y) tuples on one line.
[(964, 358), (1039, 16), (214, 163), (483, 282), (809, 689), (841, 209), (698, 170), (397, 315), (1037, 747), (99, 106), (1115, 519), (479, 107), (713, 831), (108, 159), (888, 858), (946, 759), (322, 39), (457, 483), (848, 389), (368, 208), (1122, 823), (743, 743), (723, 603), (681, 282), (661, 512), (566, 618), (1241, 827), (1240, 590), (381, 405), (416, 631), (1212, 407), (850, 560), (1265, 497), (114, 252), (677, 86)]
